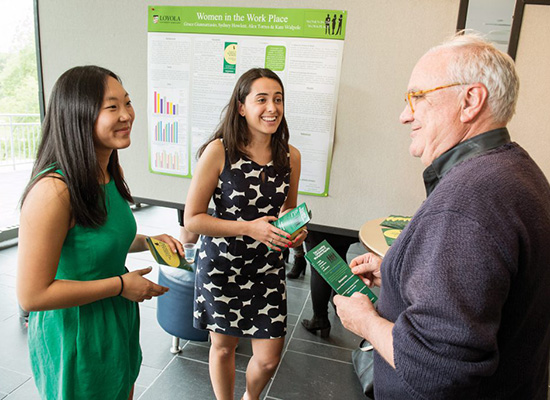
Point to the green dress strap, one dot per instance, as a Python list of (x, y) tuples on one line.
[(50, 168)]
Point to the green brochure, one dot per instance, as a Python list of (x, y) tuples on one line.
[(390, 235), (336, 271), (162, 253), (294, 221), (396, 221)]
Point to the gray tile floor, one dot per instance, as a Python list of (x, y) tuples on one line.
[(311, 367)]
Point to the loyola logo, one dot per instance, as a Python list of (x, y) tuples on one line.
[(166, 19), (169, 19)]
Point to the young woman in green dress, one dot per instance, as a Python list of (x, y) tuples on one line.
[(76, 229)]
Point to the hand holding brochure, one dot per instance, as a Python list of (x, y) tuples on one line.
[(162, 253), (336, 271), (294, 221)]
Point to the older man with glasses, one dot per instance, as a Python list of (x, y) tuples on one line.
[(464, 308)]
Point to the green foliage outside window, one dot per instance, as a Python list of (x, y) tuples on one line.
[(19, 135)]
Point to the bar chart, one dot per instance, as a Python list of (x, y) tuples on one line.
[(163, 105), (167, 160), (166, 132)]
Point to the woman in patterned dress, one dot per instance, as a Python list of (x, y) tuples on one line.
[(252, 174), (75, 232)]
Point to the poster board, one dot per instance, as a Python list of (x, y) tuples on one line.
[(196, 56), (372, 174)]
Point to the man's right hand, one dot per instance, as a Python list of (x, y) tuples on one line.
[(367, 267)]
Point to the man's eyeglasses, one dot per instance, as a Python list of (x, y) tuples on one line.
[(409, 96)]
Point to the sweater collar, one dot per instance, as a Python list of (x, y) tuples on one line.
[(462, 152)]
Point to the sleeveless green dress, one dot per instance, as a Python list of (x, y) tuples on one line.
[(91, 351)]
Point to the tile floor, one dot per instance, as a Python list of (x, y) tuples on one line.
[(311, 367)]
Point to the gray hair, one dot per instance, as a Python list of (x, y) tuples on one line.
[(477, 60)]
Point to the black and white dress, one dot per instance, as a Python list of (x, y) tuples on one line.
[(240, 287)]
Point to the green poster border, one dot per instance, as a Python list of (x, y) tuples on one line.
[(276, 22)]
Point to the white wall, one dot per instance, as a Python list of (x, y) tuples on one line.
[(372, 173), (531, 125)]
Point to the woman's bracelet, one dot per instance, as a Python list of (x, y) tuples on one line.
[(121, 285)]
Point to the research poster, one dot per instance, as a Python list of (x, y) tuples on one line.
[(196, 55)]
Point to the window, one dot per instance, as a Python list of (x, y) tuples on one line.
[(19, 107)]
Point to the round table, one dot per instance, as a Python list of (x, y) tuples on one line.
[(372, 238)]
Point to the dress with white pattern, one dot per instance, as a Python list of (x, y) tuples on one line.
[(240, 287)]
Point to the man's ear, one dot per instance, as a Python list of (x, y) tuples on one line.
[(473, 102)]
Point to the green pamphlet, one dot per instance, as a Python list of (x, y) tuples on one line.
[(336, 271), (162, 253), (392, 227), (396, 221), (294, 221), (390, 235)]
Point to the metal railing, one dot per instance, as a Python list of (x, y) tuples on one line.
[(19, 138)]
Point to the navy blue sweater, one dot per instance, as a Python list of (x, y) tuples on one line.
[(467, 284)]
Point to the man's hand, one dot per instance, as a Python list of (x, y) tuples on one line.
[(355, 313), (367, 267), (358, 315)]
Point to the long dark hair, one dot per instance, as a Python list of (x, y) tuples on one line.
[(67, 144), (233, 128)]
